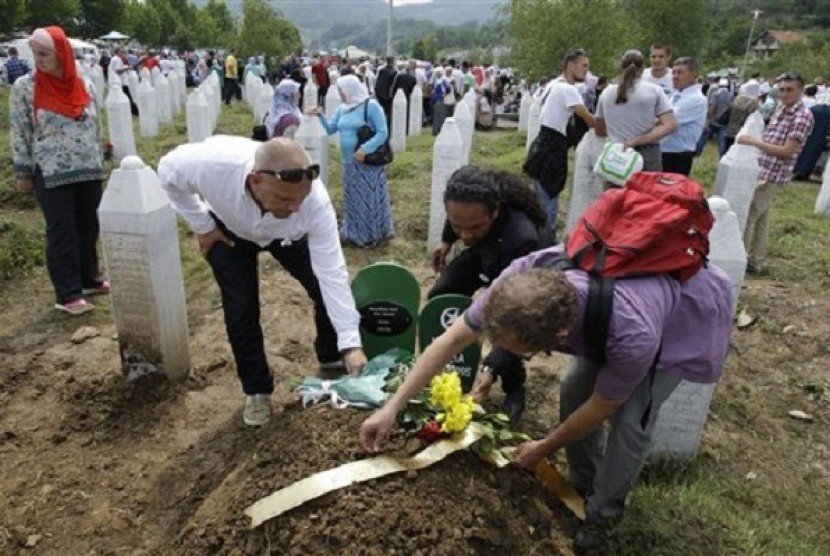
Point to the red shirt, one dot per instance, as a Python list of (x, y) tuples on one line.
[(320, 70)]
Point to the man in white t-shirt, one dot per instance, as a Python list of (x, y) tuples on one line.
[(547, 161), (660, 73), (119, 67)]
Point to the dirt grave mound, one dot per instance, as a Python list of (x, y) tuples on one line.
[(458, 506)]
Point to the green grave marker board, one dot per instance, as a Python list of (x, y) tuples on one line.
[(387, 296), (436, 316)]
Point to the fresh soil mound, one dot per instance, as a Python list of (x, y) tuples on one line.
[(458, 506)]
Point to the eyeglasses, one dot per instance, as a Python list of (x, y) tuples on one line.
[(294, 175)]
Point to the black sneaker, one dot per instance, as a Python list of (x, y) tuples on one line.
[(591, 538), (514, 404)]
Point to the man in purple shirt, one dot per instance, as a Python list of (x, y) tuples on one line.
[(661, 331)]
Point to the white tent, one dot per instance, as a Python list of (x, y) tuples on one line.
[(114, 36), (353, 53)]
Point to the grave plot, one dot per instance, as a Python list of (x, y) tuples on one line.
[(460, 505)]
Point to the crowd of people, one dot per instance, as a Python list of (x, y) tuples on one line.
[(242, 197)]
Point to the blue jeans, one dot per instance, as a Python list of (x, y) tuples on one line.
[(551, 207), (718, 132)]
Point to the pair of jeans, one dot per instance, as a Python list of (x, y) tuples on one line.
[(551, 207), (236, 271), (72, 228), (606, 475)]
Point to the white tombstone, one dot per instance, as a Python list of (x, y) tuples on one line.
[(737, 174), (132, 84), (175, 102), (471, 100), (100, 84), (312, 137), (140, 243), (587, 186), (148, 121), (447, 157), (254, 93), (113, 82), (210, 97), (679, 425), (823, 200), (265, 95), (213, 81), (182, 71), (145, 75), (120, 123), (154, 75), (533, 124), (163, 99), (250, 78), (416, 111), (726, 246), (309, 95), (466, 126), (397, 135), (198, 117), (524, 110)]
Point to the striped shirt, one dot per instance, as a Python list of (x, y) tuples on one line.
[(793, 122)]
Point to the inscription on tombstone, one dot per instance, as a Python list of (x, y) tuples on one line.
[(385, 318), (141, 248)]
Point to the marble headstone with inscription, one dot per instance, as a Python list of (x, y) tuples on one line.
[(397, 133), (679, 426), (141, 246), (447, 157)]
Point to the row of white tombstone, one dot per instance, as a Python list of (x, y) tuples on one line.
[(158, 97)]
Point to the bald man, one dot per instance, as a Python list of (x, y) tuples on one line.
[(242, 197)]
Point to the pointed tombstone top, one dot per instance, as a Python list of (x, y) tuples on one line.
[(450, 135), (145, 86), (133, 188), (145, 74), (400, 96), (196, 98), (718, 205)]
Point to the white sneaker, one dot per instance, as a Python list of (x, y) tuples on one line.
[(257, 410)]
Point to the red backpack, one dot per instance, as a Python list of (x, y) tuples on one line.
[(657, 223)]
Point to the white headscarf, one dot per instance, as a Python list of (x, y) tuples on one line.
[(353, 90), (282, 103)]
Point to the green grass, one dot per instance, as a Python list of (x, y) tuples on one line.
[(706, 507)]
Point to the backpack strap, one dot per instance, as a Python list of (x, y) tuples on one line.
[(598, 308)]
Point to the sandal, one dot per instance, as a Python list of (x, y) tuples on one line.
[(102, 289), (76, 307)]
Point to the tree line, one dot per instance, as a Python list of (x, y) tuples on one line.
[(156, 23)]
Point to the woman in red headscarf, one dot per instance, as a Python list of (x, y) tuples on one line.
[(56, 147)]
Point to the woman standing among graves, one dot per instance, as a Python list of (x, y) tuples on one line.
[(498, 219), (367, 216), (56, 147), (627, 112), (442, 109), (284, 117)]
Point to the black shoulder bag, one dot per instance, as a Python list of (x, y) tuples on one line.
[(383, 155)]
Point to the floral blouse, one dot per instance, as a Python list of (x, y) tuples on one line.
[(66, 151)]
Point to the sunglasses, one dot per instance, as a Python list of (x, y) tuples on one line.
[(294, 175)]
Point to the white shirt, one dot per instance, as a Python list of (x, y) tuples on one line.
[(458, 78), (560, 100), (420, 76), (117, 64), (210, 176), (664, 82), (166, 65)]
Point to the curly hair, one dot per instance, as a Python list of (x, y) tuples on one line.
[(493, 188), (531, 307)]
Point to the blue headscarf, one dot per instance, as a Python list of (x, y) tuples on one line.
[(282, 103)]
